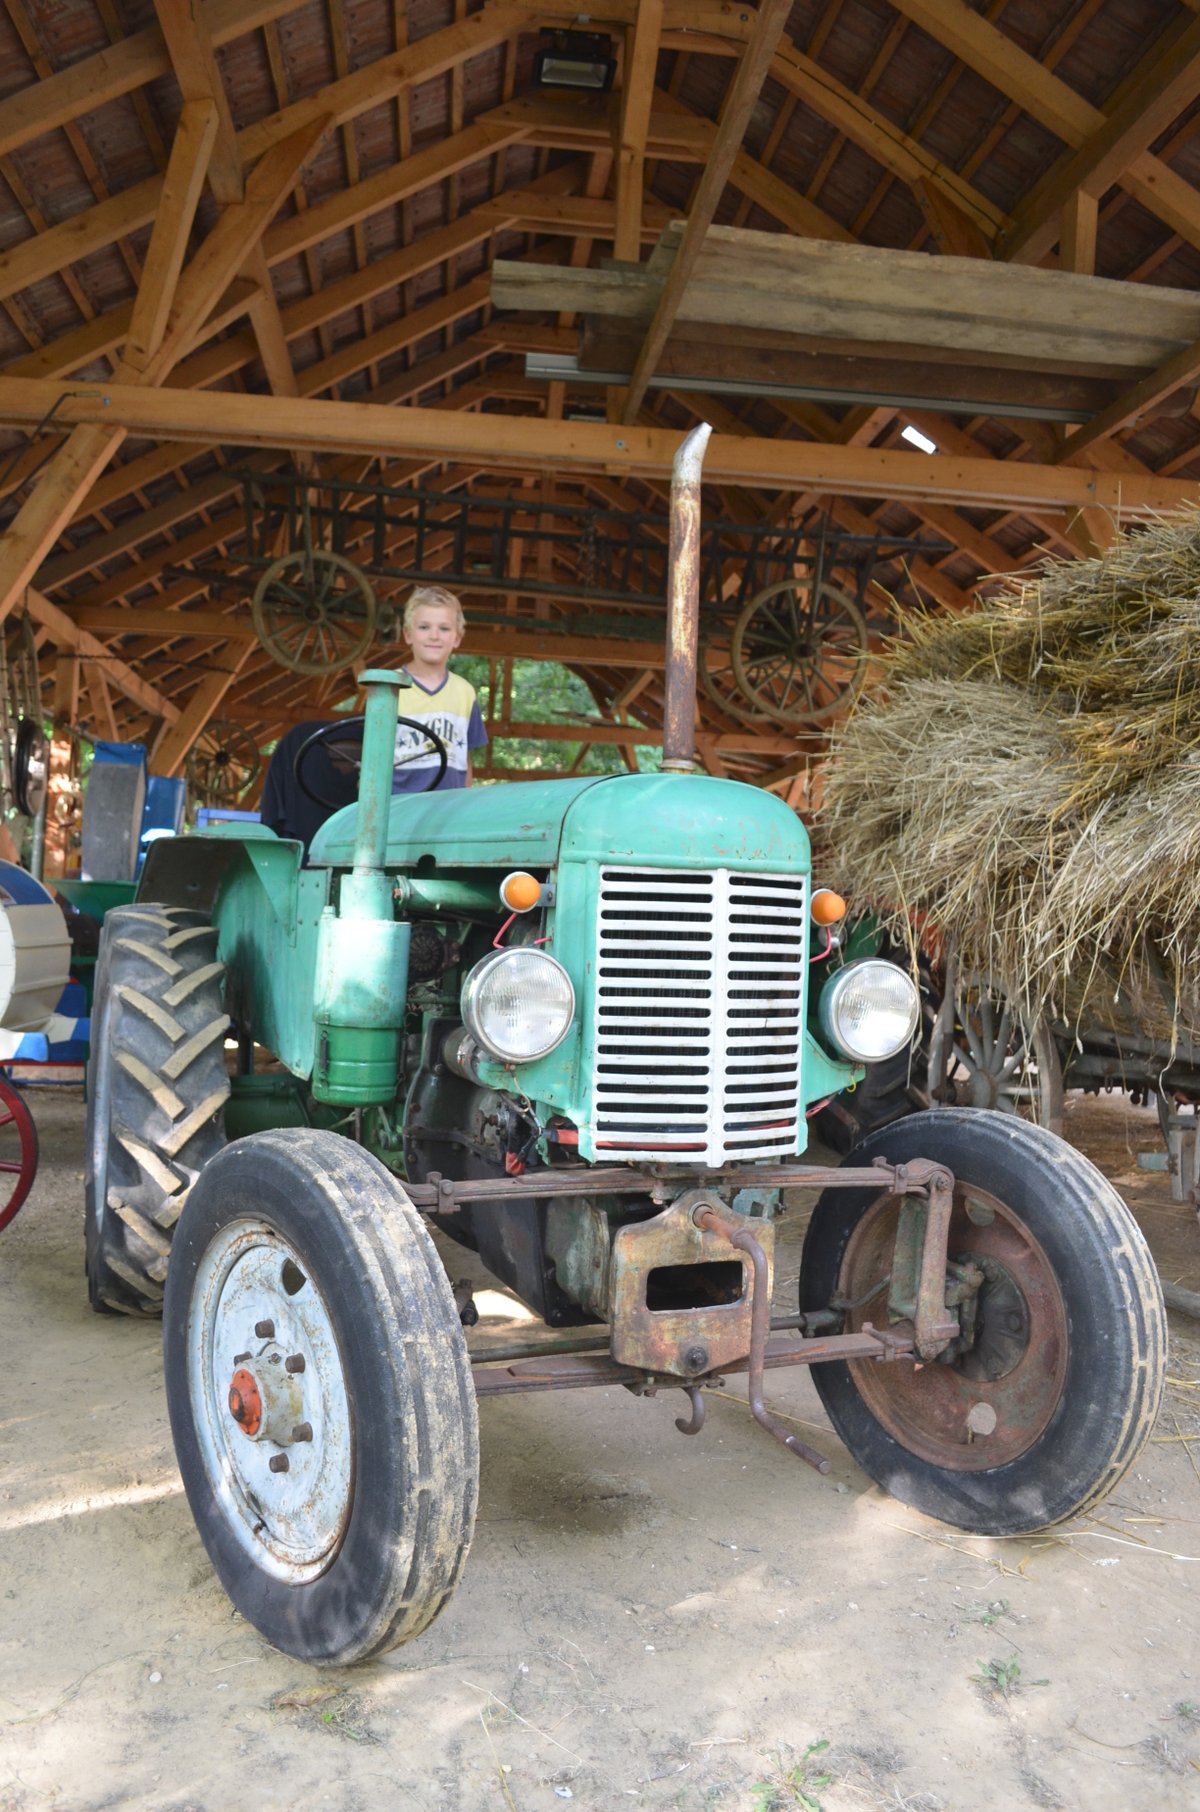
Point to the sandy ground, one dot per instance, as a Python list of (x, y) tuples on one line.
[(644, 1620)]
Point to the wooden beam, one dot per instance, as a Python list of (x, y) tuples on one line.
[(1158, 91), (641, 59), (121, 69), (1013, 72), (1139, 400), (859, 296), (339, 103), (743, 96), (194, 139), (1077, 234), (521, 443), (173, 747), (67, 634)]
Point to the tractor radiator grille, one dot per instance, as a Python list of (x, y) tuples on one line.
[(699, 1014)]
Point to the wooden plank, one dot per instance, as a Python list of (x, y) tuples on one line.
[(868, 293), (523, 444), (732, 361), (736, 112)]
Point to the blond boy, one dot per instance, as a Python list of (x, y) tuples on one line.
[(433, 628)]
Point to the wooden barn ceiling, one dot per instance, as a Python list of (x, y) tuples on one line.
[(251, 235)]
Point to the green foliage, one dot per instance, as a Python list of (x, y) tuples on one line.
[(795, 1790), (990, 1613), (545, 692)]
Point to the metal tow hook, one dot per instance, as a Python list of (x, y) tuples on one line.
[(760, 1326), (694, 1423)]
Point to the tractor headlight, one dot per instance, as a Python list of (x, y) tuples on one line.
[(869, 1010), (518, 1004)]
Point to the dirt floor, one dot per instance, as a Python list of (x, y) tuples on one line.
[(644, 1619)]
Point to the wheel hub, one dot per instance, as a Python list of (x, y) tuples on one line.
[(265, 1400), (273, 1418), (996, 1389)]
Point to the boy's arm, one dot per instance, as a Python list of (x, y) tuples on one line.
[(477, 738)]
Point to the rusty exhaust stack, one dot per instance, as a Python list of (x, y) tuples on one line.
[(683, 605)]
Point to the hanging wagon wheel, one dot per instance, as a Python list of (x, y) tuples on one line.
[(18, 1152), (224, 764), (24, 756), (314, 612), (721, 684), (799, 658)]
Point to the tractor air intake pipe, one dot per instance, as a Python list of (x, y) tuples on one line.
[(362, 948), (683, 605)]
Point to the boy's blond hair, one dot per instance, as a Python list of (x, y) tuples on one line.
[(434, 596)]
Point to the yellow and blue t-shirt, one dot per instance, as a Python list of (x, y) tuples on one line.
[(452, 712)]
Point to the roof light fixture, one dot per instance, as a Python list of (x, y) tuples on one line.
[(576, 59)]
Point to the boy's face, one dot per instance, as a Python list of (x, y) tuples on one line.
[(433, 634)]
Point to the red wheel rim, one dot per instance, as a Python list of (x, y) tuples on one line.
[(18, 1152), (926, 1408)]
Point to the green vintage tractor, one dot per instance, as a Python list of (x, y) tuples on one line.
[(579, 1026)]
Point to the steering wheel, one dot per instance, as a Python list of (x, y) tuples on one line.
[(337, 731)]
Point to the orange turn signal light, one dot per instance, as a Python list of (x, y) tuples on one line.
[(828, 908), (520, 892)]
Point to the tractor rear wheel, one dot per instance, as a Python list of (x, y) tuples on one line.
[(1049, 1404), (320, 1396), (156, 1089)]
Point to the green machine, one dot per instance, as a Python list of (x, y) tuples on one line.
[(578, 1027)]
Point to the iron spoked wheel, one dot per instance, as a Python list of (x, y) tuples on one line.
[(717, 676), (797, 658), (1040, 1413), (18, 1151), (314, 612), (1002, 1059), (224, 764), (320, 1396)]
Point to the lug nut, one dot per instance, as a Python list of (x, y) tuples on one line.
[(264, 1329), (302, 1431), (278, 1462), (294, 1363)]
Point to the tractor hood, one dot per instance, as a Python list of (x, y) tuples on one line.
[(662, 820)]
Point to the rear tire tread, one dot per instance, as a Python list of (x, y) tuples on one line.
[(158, 1020)]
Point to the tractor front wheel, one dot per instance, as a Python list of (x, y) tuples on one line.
[(320, 1396), (1042, 1409)]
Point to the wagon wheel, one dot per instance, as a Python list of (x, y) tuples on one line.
[(799, 658), (720, 682), (224, 764), (997, 1055), (18, 1152), (314, 612), (24, 756)]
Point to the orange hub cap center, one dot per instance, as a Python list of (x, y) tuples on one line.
[(245, 1403)]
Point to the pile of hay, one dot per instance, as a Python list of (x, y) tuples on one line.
[(1028, 780)]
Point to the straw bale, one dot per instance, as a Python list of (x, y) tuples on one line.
[(1028, 779)]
